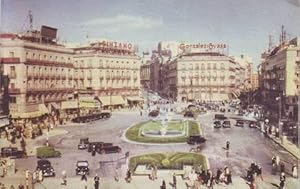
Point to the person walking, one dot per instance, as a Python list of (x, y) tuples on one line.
[(83, 176), (277, 160), (128, 176), (227, 145), (174, 184), (163, 185), (282, 180), (64, 178), (96, 181), (116, 174), (294, 171)]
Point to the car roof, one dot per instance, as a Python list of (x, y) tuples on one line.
[(43, 161)]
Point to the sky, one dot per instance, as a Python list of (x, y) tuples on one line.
[(244, 25)]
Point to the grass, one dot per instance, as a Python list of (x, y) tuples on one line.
[(133, 133), (155, 125), (47, 152), (169, 160)]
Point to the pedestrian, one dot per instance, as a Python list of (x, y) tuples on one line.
[(219, 172), (12, 187), (294, 171), (64, 178), (163, 185), (116, 174), (174, 184), (259, 172), (40, 175), (282, 180), (211, 182), (227, 145), (21, 186), (152, 176), (277, 160), (273, 160), (128, 176), (96, 181), (141, 112), (83, 176)]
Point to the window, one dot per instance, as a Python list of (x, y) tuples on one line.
[(298, 53), (12, 72), (12, 99), (11, 54)]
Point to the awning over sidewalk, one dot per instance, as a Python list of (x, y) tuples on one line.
[(88, 102), (134, 98), (41, 110), (69, 104), (111, 100)]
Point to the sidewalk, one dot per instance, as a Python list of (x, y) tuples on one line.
[(288, 146)]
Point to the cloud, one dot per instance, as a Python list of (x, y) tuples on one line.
[(121, 22)]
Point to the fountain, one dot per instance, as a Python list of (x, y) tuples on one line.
[(164, 118)]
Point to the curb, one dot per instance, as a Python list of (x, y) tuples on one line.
[(290, 151)]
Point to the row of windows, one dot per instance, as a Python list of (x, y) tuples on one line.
[(208, 66), (48, 57)]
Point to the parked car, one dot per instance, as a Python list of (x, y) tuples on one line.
[(83, 143), (222, 110), (153, 113), (240, 123), (12, 152), (253, 124), (82, 167), (196, 139), (109, 149), (188, 114), (217, 124), (220, 117), (226, 124), (46, 168)]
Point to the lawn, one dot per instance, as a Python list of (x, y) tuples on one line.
[(133, 133), (169, 160)]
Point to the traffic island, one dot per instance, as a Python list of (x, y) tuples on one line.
[(179, 163), (174, 131)]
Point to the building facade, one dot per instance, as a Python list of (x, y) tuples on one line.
[(280, 79), (145, 71), (40, 77), (109, 71), (204, 76)]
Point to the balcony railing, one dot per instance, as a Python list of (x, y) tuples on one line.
[(10, 60)]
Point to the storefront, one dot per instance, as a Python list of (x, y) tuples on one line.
[(112, 102), (135, 101), (68, 111)]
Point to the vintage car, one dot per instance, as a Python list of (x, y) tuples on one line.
[(195, 139), (188, 114), (220, 117), (253, 124), (46, 168), (97, 146), (83, 143), (109, 149), (226, 124), (153, 113), (240, 123), (82, 167), (217, 124), (12, 152)]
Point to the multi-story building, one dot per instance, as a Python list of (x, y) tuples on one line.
[(40, 75), (109, 71), (254, 81), (202, 76), (4, 110), (280, 79), (145, 71), (245, 69)]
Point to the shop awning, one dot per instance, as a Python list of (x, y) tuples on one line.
[(26, 114), (134, 98), (111, 100), (55, 105), (69, 104), (4, 121), (88, 102), (43, 109)]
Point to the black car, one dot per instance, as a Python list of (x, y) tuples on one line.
[(46, 168), (220, 117), (196, 139), (188, 114), (109, 149), (97, 146), (217, 124), (82, 167), (226, 124), (83, 143), (12, 152), (153, 113), (240, 123)]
